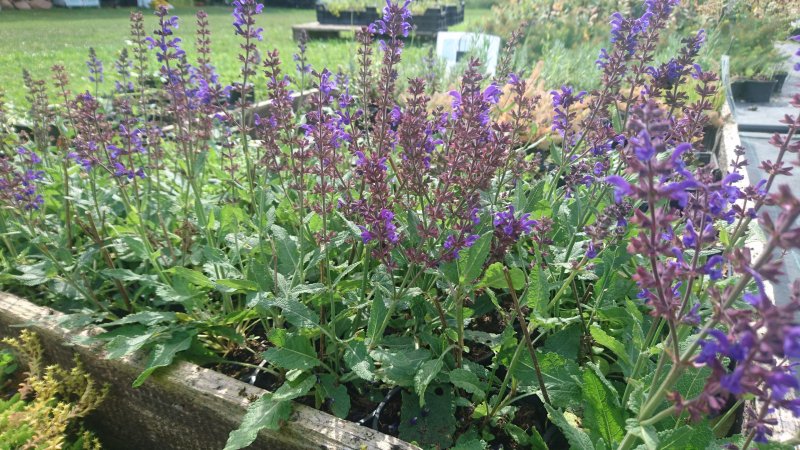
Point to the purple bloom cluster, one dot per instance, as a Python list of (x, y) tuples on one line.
[(95, 67), (508, 226), (244, 12), (18, 185), (395, 21), (562, 100), (167, 47)]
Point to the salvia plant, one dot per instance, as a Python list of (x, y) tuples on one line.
[(422, 270)]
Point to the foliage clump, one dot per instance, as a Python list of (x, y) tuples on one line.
[(50, 404)]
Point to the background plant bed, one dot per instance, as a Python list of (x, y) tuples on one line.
[(183, 407)]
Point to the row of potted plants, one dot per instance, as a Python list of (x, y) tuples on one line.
[(429, 16)]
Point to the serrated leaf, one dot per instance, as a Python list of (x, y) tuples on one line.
[(606, 418), (686, 437), (468, 381), (268, 412), (377, 315), (295, 312), (297, 353), (400, 366), (564, 342), (425, 374), (474, 258), (123, 345), (359, 361), (538, 293), (577, 438), (561, 378), (286, 248), (163, 354), (35, 274)]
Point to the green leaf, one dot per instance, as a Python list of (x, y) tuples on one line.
[(610, 342), (565, 342), (286, 247), (647, 434), (35, 274), (495, 277), (295, 312), (125, 275), (338, 398), (606, 419), (164, 353), (686, 437), (538, 293), (561, 378), (125, 344), (238, 285), (359, 361), (426, 373), (517, 434), (433, 427), (268, 412), (193, 276), (468, 381), (536, 440), (377, 315), (577, 438), (475, 257), (400, 366), (297, 353)]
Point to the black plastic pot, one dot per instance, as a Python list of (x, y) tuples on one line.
[(736, 89), (454, 13), (703, 158), (709, 137), (757, 91), (779, 78), (431, 22)]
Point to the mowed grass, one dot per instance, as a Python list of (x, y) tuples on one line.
[(37, 40)]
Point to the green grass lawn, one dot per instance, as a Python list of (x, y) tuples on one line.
[(36, 40)]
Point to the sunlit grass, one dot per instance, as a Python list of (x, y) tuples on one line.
[(38, 39)]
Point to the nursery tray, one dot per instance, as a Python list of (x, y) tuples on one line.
[(182, 407)]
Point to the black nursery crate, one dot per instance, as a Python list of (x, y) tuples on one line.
[(455, 14), (431, 22), (365, 17)]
